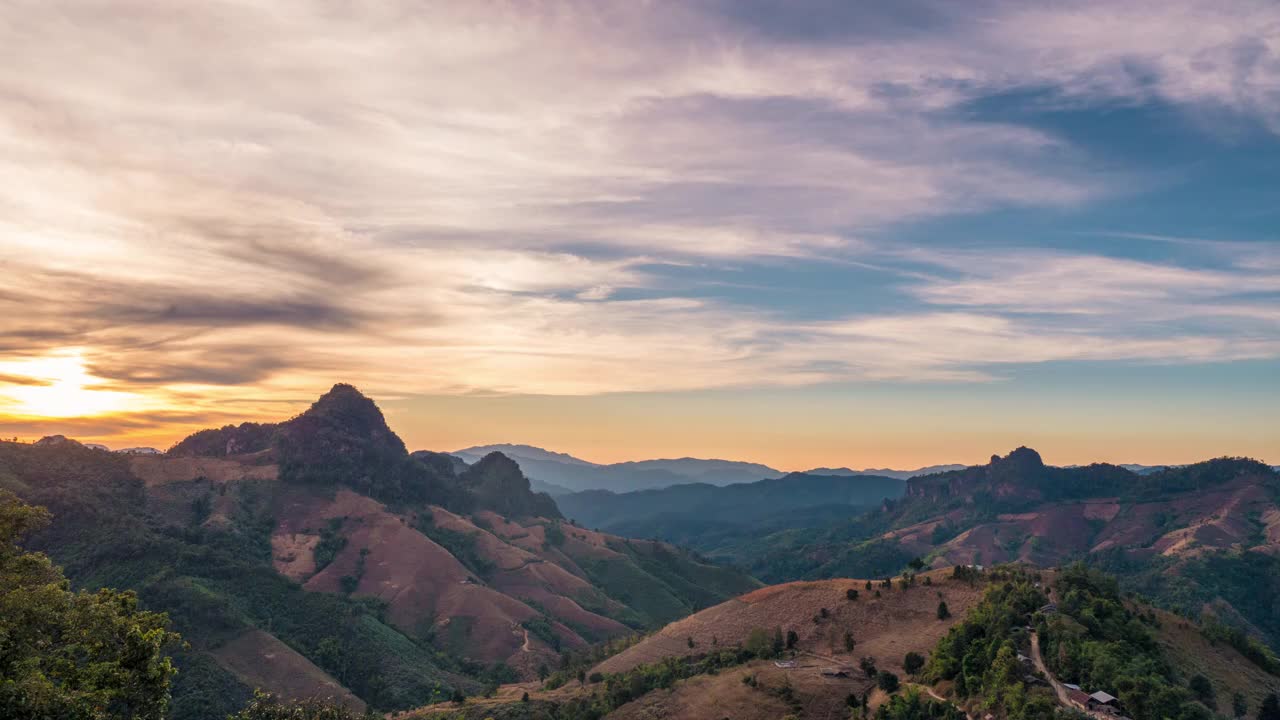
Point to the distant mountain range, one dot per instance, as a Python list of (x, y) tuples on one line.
[(560, 474), (706, 517)]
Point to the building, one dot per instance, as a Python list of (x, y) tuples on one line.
[(1104, 702), (1078, 697)]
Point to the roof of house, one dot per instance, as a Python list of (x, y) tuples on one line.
[(1103, 697), (1078, 697)]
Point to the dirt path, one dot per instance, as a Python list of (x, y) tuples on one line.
[(1058, 688), (525, 647)]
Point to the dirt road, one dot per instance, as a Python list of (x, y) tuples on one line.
[(1058, 688)]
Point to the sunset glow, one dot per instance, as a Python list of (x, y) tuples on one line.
[(57, 386)]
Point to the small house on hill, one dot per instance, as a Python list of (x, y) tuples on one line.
[(1078, 697), (1104, 702)]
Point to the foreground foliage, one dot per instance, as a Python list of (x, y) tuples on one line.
[(69, 655)]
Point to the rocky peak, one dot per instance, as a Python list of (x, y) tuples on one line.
[(500, 485)]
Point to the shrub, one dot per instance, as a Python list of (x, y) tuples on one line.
[(887, 681)]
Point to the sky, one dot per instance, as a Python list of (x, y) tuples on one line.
[(802, 233)]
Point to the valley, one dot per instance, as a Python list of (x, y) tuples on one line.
[(317, 557)]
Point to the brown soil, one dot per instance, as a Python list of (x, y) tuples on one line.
[(260, 660)]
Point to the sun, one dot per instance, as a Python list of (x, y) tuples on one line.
[(56, 386)]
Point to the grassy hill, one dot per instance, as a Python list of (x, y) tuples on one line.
[(811, 650)]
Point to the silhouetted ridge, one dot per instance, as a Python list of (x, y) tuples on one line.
[(243, 439)]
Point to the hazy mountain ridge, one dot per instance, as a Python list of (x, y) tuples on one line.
[(704, 516), (560, 473), (575, 475)]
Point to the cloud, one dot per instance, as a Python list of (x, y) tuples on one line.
[(243, 203)]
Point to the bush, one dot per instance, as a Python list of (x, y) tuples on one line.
[(266, 706), (851, 594), (943, 611), (913, 662), (887, 681)]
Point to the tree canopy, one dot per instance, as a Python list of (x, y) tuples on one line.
[(73, 655)]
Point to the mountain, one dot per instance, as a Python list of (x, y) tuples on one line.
[(1202, 539), (317, 556), (553, 471), (711, 518), (886, 472)]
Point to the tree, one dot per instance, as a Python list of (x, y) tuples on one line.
[(543, 671), (778, 642), (851, 594), (917, 563), (868, 587), (525, 697), (75, 655), (912, 663), (943, 611), (758, 643), (849, 642), (690, 642), (1239, 705), (1270, 708), (792, 638), (265, 706), (1202, 688), (868, 665), (887, 681)]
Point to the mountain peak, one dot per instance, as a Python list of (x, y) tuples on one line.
[(499, 484), (1021, 458)]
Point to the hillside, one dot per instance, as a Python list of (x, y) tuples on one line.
[(1196, 538), (1014, 636), (317, 556), (706, 657), (714, 519)]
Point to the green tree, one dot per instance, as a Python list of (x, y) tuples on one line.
[(851, 594), (913, 662), (1239, 705), (1202, 688), (943, 611), (73, 655), (887, 681), (265, 706), (758, 643)]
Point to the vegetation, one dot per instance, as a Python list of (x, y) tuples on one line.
[(74, 655), (979, 654), (1097, 642), (621, 688), (266, 706), (215, 583), (912, 705)]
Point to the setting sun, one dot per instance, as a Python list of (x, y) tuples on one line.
[(57, 386)]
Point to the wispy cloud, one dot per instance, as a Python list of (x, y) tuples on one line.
[(473, 197)]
